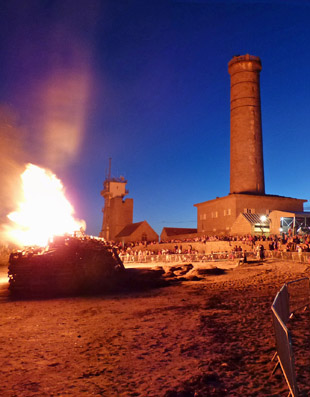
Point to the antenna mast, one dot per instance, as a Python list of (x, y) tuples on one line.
[(109, 175)]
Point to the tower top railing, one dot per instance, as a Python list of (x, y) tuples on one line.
[(113, 179), (247, 57)]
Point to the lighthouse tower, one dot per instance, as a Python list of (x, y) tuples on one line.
[(246, 144), (242, 211)]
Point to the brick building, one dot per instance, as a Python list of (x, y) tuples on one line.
[(218, 216), (117, 222), (247, 185), (177, 233), (117, 212), (140, 231)]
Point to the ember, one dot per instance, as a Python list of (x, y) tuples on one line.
[(70, 265)]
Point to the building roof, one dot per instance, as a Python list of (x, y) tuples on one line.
[(129, 229), (255, 219), (294, 214), (240, 195), (174, 231)]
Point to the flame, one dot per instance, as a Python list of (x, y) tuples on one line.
[(44, 211)]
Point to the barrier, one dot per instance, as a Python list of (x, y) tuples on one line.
[(176, 258), (285, 354), (299, 294), (302, 257), (292, 296)]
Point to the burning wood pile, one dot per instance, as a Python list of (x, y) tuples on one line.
[(68, 266)]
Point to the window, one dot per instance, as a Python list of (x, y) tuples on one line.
[(227, 212)]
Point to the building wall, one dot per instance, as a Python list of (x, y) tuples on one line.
[(241, 226), (145, 232), (265, 204), (218, 216), (117, 189), (165, 237), (142, 232), (120, 215), (275, 220)]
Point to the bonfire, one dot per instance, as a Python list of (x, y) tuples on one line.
[(55, 256)]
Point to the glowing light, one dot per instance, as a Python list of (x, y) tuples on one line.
[(44, 210), (4, 280), (263, 218)]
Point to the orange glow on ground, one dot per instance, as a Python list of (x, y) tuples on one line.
[(43, 212)]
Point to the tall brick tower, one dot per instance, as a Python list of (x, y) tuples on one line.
[(240, 212), (246, 144)]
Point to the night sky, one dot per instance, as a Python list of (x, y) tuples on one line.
[(146, 83)]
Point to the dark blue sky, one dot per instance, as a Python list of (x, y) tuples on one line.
[(146, 83)]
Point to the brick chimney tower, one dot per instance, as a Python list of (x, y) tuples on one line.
[(246, 143)]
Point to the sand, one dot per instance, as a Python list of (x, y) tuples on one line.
[(209, 333)]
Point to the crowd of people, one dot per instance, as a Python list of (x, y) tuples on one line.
[(239, 246), (257, 245)]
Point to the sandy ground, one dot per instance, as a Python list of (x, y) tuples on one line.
[(207, 334)]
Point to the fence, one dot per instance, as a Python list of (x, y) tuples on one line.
[(292, 296), (176, 258), (303, 257)]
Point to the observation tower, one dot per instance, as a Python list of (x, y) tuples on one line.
[(117, 212)]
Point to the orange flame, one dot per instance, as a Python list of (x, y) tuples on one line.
[(44, 211)]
